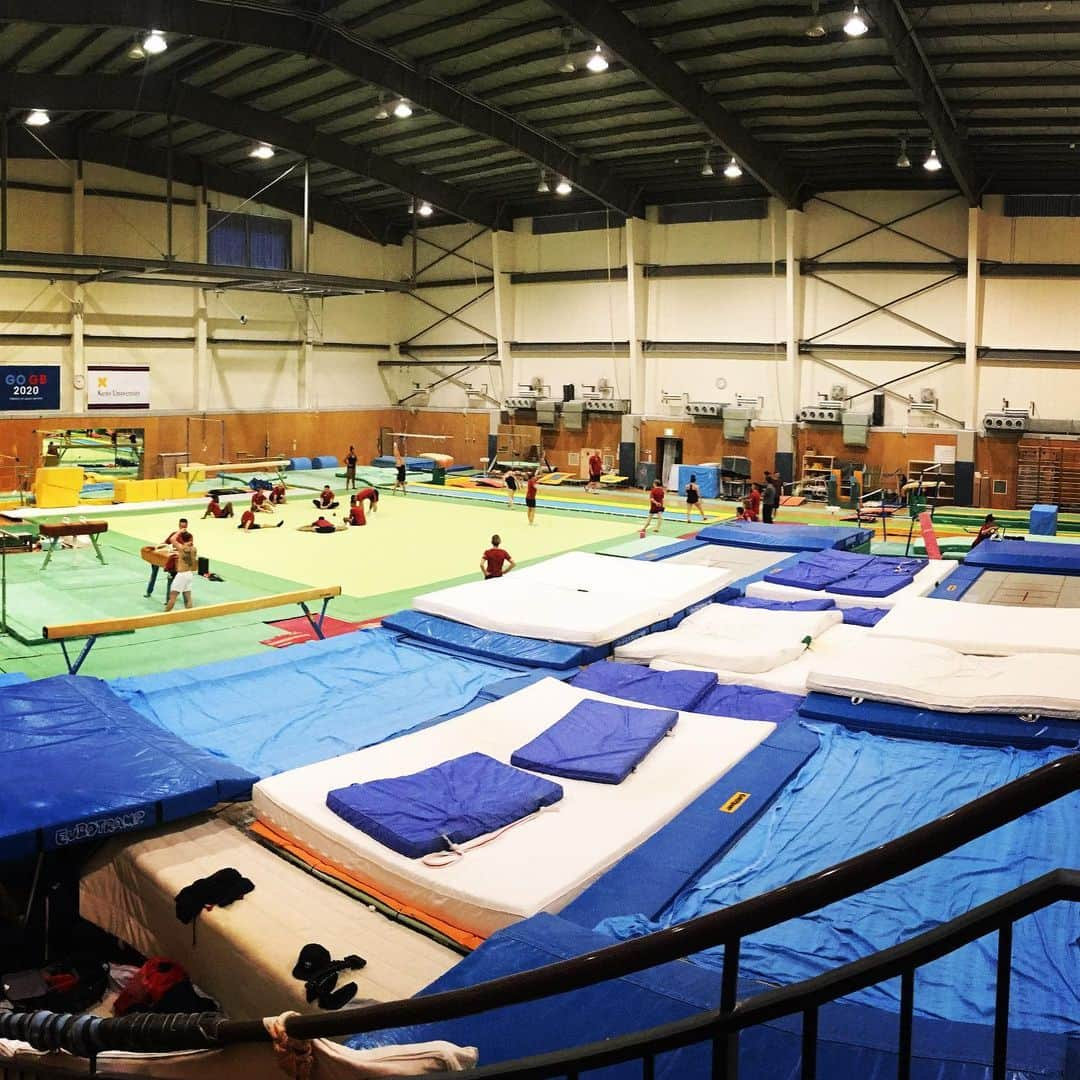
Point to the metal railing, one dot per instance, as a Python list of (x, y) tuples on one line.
[(86, 1035)]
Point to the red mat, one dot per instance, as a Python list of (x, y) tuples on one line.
[(298, 630)]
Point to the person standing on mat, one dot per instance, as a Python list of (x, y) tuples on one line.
[(495, 561), (247, 522), (768, 500), (170, 541), (774, 479), (511, 488), (214, 508), (596, 470), (186, 564), (350, 468), (693, 499), (399, 462), (326, 500), (530, 498), (656, 506), (752, 502)]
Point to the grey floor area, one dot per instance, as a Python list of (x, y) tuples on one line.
[(1024, 590)]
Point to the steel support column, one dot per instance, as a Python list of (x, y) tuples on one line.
[(973, 329), (793, 311)]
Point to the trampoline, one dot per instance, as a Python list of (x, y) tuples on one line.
[(79, 765), (538, 865), (787, 537), (1030, 556)]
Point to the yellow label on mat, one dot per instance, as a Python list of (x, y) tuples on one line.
[(735, 802)]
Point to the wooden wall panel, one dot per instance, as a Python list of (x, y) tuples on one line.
[(995, 459), (706, 442), (601, 433)]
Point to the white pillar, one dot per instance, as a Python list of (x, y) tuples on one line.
[(78, 349), (972, 333), (793, 297), (502, 262), (637, 311)]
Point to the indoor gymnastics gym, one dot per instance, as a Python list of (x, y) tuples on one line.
[(539, 540)]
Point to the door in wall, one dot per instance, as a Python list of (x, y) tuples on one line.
[(668, 455)]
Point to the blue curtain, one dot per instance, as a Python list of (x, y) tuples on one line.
[(269, 243), (247, 240)]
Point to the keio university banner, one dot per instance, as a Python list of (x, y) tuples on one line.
[(114, 387)]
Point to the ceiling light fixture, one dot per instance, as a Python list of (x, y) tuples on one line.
[(598, 61), (154, 43), (903, 161), (856, 24), (567, 67), (816, 28), (563, 186), (262, 151), (543, 187), (425, 209), (932, 162), (732, 170), (382, 112), (706, 165), (136, 52), (37, 118), (403, 110)]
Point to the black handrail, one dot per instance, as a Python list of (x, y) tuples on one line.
[(86, 1035), (808, 995)]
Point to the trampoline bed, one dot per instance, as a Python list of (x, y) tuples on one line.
[(538, 865), (77, 764), (846, 596), (934, 677), (578, 598), (1015, 589), (973, 628), (743, 562), (735, 638)]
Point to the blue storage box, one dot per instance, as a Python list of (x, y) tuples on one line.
[(1043, 520)]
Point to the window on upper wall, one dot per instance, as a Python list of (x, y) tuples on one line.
[(723, 210), (262, 243), (1042, 206)]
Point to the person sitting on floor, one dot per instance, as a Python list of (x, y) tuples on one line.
[(321, 525), (216, 509), (356, 515), (247, 522), (326, 500), (259, 503), (986, 530), (277, 494), (740, 513)]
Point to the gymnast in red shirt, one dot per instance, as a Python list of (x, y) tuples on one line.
[(247, 521), (495, 561), (356, 515), (259, 503)]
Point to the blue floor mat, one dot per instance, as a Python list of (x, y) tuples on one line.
[(78, 765), (296, 706), (857, 792)]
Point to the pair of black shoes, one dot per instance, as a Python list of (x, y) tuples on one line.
[(319, 973)]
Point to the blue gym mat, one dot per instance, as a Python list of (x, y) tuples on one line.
[(632, 682), (857, 792), (292, 707), (1028, 556), (786, 537), (77, 764)]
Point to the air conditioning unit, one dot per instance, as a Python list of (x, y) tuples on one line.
[(520, 401), (856, 427), (737, 423), (820, 414), (1009, 420), (606, 405), (715, 409)]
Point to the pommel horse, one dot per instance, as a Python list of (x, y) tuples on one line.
[(56, 532)]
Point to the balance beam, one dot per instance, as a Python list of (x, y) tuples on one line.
[(65, 632), (234, 466)]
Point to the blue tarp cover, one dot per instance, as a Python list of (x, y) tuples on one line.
[(632, 682), (863, 616), (597, 741), (856, 793), (786, 537), (77, 764), (824, 604), (460, 638), (292, 707), (1031, 556), (818, 569), (852, 1041), (907, 721), (749, 703), (450, 803)]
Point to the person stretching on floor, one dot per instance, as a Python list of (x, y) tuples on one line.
[(321, 525), (656, 506), (259, 502), (350, 468), (215, 509), (693, 499), (986, 530), (530, 498), (495, 561), (186, 564), (277, 494), (371, 496), (247, 522), (399, 462), (356, 515), (326, 500)]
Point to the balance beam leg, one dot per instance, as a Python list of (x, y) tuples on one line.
[(49, 552), (73, 669), (316, 624), (97, 549)]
